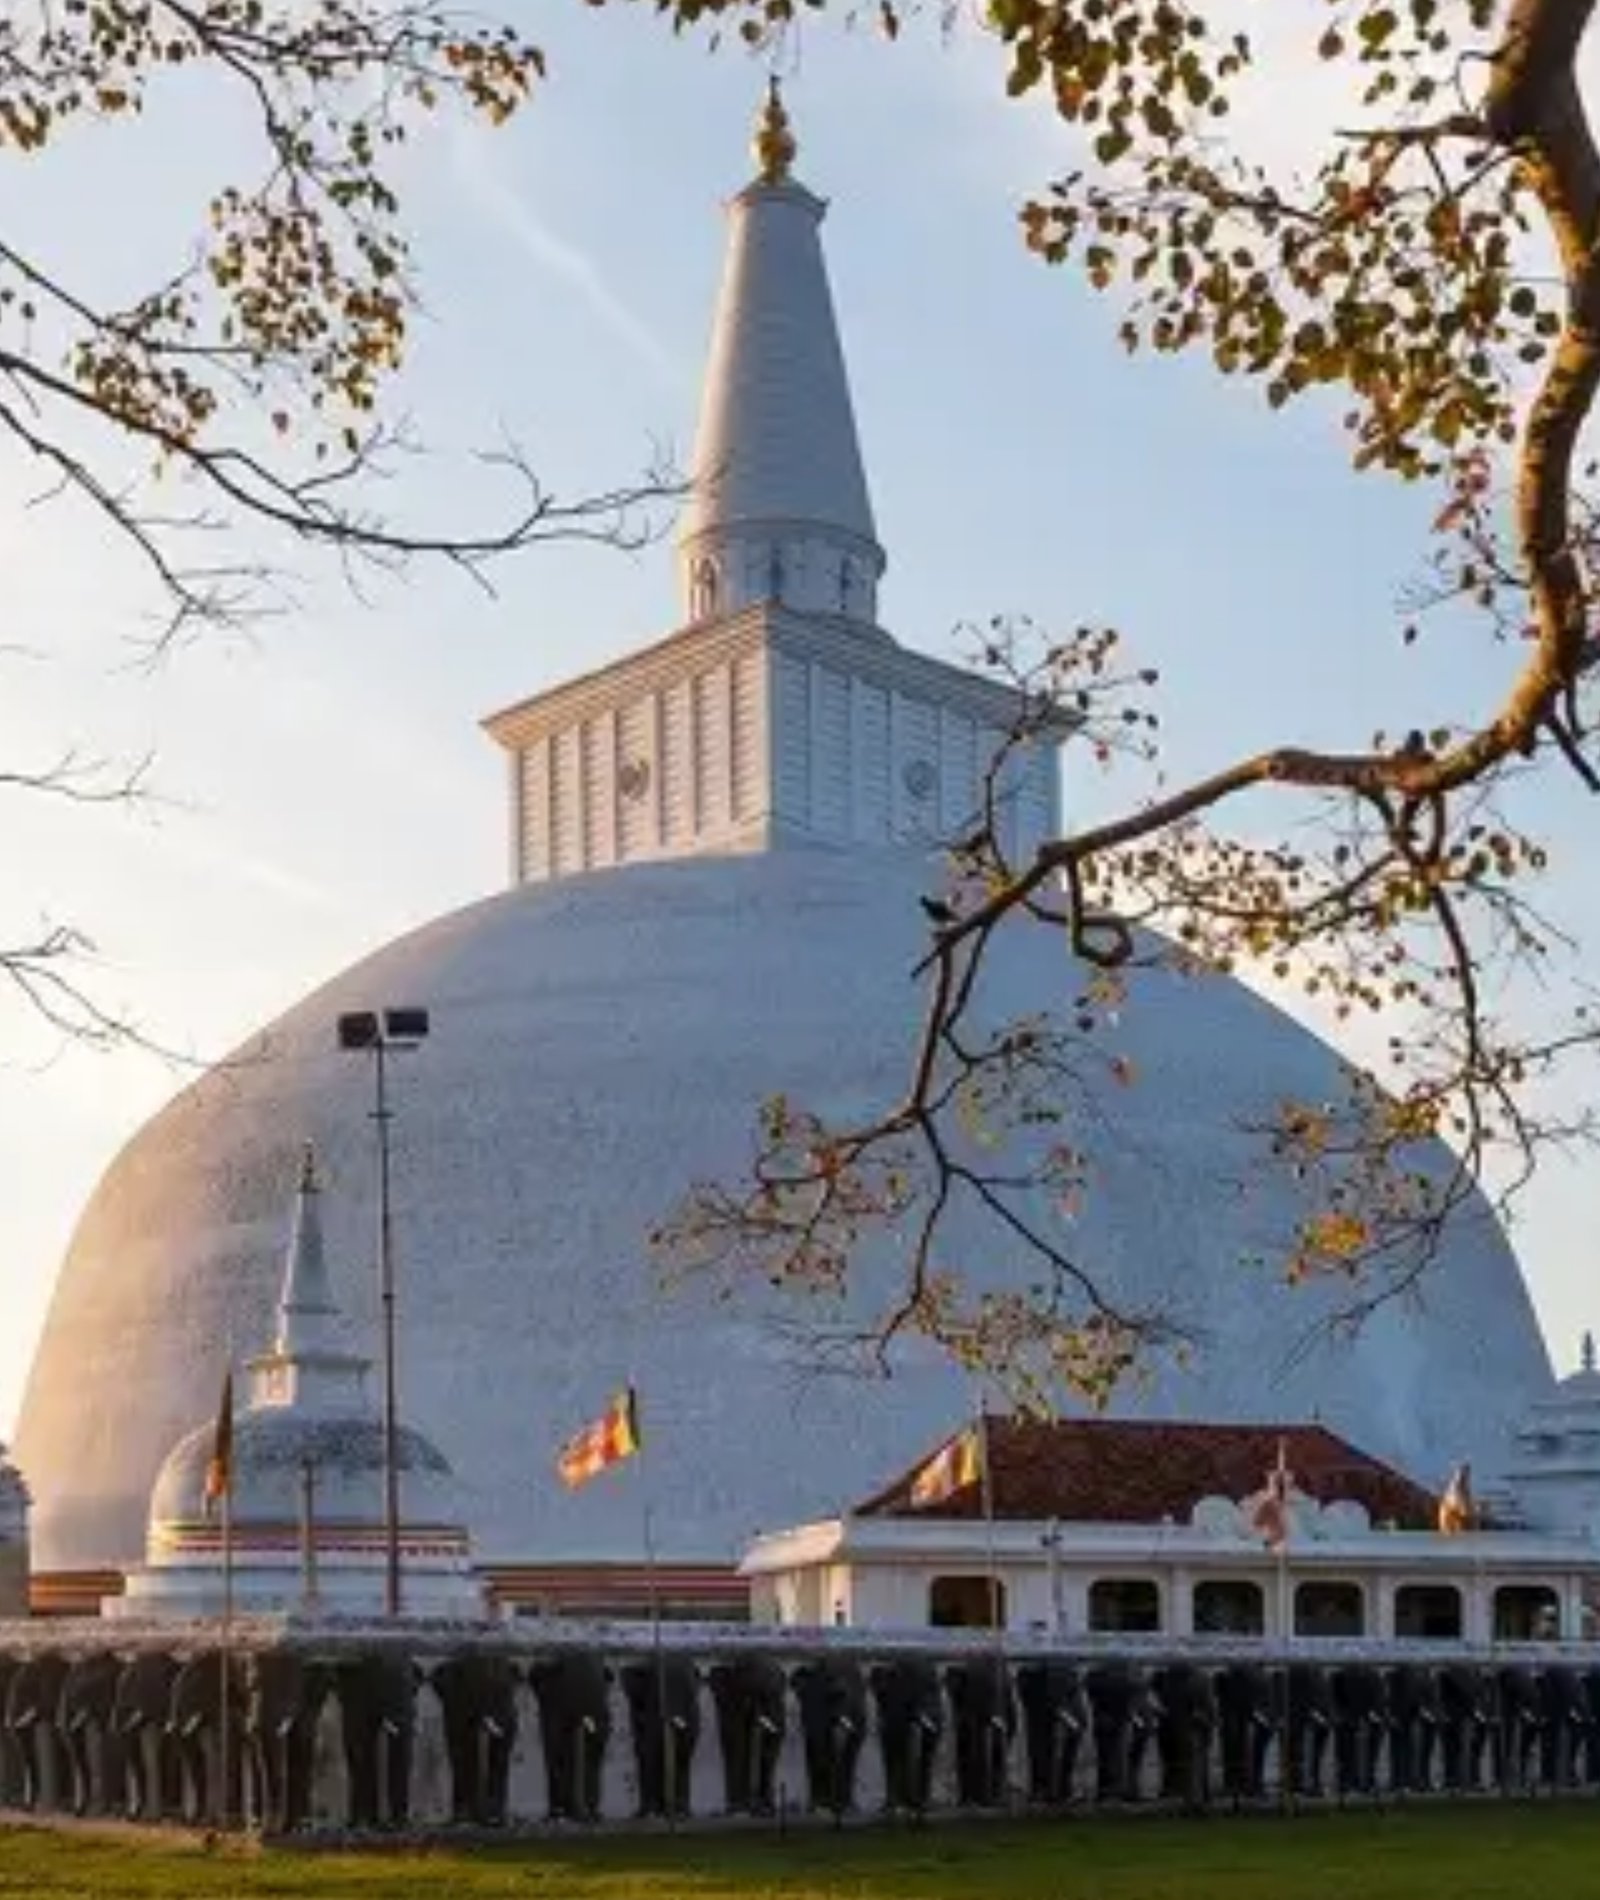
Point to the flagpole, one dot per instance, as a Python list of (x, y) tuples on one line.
[(219, 1484), (668, 1765), (1285, 1624), (224, 1714), (997, 1611), (986, 1505)]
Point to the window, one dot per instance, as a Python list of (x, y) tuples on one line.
[(1125, 1603), (1526, 1613), (1329, 1609), (1427, 1609), (1229, 1608), (703, 589), (966, 1603)]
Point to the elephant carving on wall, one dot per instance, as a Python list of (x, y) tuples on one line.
[(832, 1696), (1186, 1731), (910, 1722), (87, 1725), (1590, 1689), (1466, 1720), (210, 1751), (663, 1694), (283, 1697), (984, 1713), (1416, 1712), (478, 1698), (32, 1712), (1365, 1702), (1248, 1714), (750, 1695), (573, 1694), (1308, 1729), (141, 1715), (1516, 1727), (377, 1695), (1126, 1712), (1563, 1720), (11, 1779), (1057, 1722)]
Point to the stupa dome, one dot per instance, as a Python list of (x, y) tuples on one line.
[(303, 1470), (271, 1449), (599, 1042), (719, 844)]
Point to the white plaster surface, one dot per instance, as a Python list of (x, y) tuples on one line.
[(599, 1042), (779, 504)]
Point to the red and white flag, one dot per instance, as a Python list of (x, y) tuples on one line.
[(952, 1468), (611, 1438)]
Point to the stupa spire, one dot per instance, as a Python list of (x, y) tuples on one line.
[(779, 511), (307, 1313), (311, 1364)]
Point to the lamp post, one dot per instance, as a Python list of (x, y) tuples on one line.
[(380, 1033)]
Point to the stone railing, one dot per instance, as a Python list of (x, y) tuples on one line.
[(290, 1723)]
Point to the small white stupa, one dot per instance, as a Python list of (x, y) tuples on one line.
[(305, 1518), (1554, 1474), (14, 1502)]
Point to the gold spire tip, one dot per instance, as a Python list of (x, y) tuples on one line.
[(774, 143)]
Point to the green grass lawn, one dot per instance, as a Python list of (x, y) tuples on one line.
[(1492, 1852)]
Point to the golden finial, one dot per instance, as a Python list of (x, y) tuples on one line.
[(774, 144)]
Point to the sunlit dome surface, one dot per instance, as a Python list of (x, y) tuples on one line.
[(597, 1043)]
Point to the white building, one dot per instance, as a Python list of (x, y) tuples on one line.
[(305, 1522), (718, 845), (1135, 1528)]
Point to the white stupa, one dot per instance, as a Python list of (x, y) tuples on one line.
[(14, 1505), (305, 1520), (718, 846), (1553, 1474)]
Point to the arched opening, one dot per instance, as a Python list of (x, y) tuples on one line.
[(1229, 1607), (1526, 1613), (1131, 1604), (1329, 1609), (974, 1603), (1428, 1609)]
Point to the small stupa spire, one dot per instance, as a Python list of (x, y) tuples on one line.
[(306, 1308), (1586, 1352), (311, 1364), (774, 145)]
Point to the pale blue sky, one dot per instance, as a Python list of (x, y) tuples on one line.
[(328, 784)]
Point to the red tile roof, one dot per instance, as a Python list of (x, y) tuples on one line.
[(1141, 1471)]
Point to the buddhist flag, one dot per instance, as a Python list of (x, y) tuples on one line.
[(951, 1469), (219, 1471), (1456, 1512), (1270, 1515), (606, 1442)]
